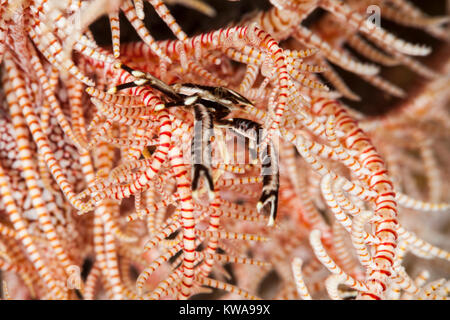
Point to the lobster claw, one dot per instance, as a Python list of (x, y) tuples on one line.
[(269, 198), (201, 171)]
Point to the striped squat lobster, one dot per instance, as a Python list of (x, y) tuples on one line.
[(211, 105)]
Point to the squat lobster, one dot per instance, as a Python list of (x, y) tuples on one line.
[(211, 105)]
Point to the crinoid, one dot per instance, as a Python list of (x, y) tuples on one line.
[(217, 161)]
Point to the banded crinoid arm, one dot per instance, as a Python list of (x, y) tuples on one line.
[(355, 20), (365, 49), (300, 283), (29, 119), (129, 11), (115, 32), (338, 83), (411, 203), (415, 65), (332, 150), (310, 212), (419, 20), (435, 290), (343, 155), (147, 272), (119, 192), (309, 150), (3, 33), (384, 201), (268, 159), (335, 55), (25, 156), (54, 104), (165, 15), (359, 239), (405, 13), (135, 15), (134, 116), (432, 170), (123, 100), (340, 215), (199, 270), (326, 260), (352, 138), (49, 45), (370, 52), (144, 276), (423, 105), (75, 96), (405, 7), (398, 58), (343, 252), (69, 36), (213, 242), (20, 226), (235, 36), (278, 20), (348, 62), (341, 58), (188, 222), (428, 250), (296, 68), (104, 239), (225, 286)]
